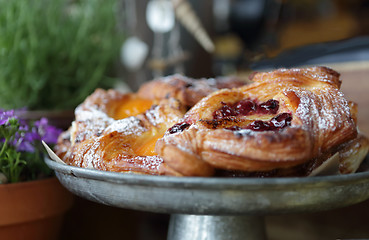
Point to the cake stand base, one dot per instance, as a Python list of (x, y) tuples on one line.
[(215, 208), (201, 227)]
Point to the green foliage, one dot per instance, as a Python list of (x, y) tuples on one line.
[(55, 53), (11, 164)]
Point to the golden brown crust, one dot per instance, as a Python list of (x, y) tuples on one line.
[(126, 145), (63, 144), (187, 90), (321, 122), (95, 114), (352, 154)]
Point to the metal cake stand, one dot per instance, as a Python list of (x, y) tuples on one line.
[(214, 208)]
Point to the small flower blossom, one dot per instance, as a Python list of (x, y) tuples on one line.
[(24, 141), (5, 116), (47, 133), (20, 145)]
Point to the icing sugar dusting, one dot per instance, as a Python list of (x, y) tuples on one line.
[(91, 159), (149, 162), (306, 108), (83, 115), (323, 110), (154, 116), (128, 126)]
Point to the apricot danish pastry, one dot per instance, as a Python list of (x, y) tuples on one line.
[(127, 145), (114, 131), (288, 122)]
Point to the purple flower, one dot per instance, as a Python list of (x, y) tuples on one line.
[(23, 146), (24, 141), (25, 137), (47, 133), (5, 116)]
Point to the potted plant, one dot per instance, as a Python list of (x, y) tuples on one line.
[(55, 53), (32, 201)]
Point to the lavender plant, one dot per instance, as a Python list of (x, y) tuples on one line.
[(21, 151)]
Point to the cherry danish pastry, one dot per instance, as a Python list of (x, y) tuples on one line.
[(288, 122)]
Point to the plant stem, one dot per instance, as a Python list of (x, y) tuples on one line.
[(4, 147)]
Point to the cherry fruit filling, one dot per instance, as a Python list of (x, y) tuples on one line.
[(280, 121), (269, 107), (246, 107), (178, 127)]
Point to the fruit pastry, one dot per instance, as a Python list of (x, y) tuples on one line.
[(117, 132), (288, 122)]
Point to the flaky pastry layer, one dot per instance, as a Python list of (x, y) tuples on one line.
[(319, 123)]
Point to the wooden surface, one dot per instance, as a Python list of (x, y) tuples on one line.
[(355, 86)]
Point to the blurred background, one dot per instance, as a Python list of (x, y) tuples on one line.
[(247, 35), (55, 53)]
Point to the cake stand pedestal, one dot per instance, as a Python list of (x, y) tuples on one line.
[(215, 208), (188, 227)]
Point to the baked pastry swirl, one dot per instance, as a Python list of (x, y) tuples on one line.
[(127, 145), (116, 131), (286, 123)]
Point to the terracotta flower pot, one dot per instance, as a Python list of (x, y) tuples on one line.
[(33, 210)]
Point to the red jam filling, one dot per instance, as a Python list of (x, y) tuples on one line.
[(249, 107), (278, 122), (178, 127), (246, 107)]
